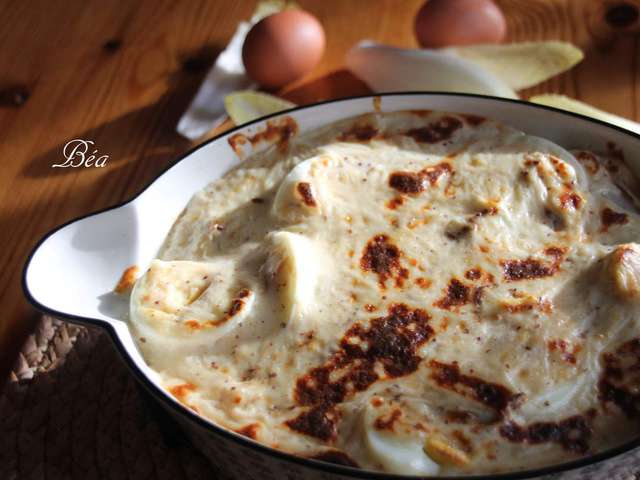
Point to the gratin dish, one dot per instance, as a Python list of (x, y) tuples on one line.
[(72, 271)]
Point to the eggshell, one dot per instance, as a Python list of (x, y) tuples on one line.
[(283, 47), (443, 23)]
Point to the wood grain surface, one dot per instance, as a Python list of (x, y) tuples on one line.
[(120, 73)]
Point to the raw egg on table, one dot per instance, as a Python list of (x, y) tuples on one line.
[(283, 47), (444, 23)]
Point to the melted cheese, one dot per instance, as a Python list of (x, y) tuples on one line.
[(416, 293)]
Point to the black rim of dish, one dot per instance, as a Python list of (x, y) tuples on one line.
[(201, 422)]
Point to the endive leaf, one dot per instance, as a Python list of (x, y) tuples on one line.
[(522, 65), (384, 69), (247, 105), (265, 8), (565, 103)]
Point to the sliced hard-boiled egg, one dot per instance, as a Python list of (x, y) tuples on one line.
[(396, 452), (291, 272), (298, 196), (189, 303), (558, 400), (624, 267)]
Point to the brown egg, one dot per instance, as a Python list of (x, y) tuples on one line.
[(283, 47), (443, 23)]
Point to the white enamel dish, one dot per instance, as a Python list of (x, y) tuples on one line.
[(72, 271)]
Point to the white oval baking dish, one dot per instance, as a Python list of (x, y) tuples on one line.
[(71, 272)]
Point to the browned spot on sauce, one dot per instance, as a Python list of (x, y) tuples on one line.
[(413, 183), (620, 377), (589, 161), (359, 133), (572, 433), (181, 391), (370, 308), (444, 324), (477, 295), (531, 268), (434, 172), (238, 302), (456, 232), (395, 202), (473, 274), (236, 141), (463, 441), (458, 416), (473, 120), (609, 217), (488, 211), (304, 189), (388, 344), (556, 252), (250, 373), (493, 395), (543, 306), (559, 166), (277, 131), (336, 457), (320, 421), (570, 199), (437, 131), (250, 431), (422, 282), (236, 306), (193, 324), (127, 279), (383, 258), (406, 182), (456, 294), (567, 353), (385, 422), (403, 274)]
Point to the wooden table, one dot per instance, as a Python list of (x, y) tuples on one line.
[(121, 73)]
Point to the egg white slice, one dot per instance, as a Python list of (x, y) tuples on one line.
[(399, 454), (300, 194), (291, 271), (189, 304)]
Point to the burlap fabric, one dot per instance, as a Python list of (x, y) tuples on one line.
[(71, 409)]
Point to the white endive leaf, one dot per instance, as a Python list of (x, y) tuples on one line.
[(265, 8), (385, 68), (246, 105), (522, 65), (565, 103)]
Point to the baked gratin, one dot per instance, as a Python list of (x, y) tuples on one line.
[(414, 292)]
